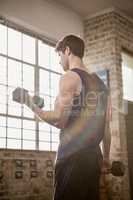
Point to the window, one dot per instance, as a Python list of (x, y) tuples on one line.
[(30, 63), (127, 73)]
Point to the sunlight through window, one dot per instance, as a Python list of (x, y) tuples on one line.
[(30, 63)]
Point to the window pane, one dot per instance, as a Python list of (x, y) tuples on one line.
[(14, 73), (54, 84), (44, 82), (3, 39), (2, 108), (2, 142), (44, 58), (128, 83), (55, 137), (27, 112), (3, 70), (44, 146), (3, 99), (14, 43), (28, 134), (54, 60), (3, 96), (28, 49), (14, 108), (44, 126), (127, 75), (13, 122), (2, 121), (2, 132), (55, 130), (13, 144), (52, 103), (28, 77), (14, 133), (44, 136), (27, 124), (55, 146), (28, 144)]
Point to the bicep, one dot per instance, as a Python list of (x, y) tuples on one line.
[(63, 102), (64, 99)]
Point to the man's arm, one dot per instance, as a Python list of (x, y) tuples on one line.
[(62, 107)]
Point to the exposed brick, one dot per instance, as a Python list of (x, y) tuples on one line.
[(105, 37), (33, 168)]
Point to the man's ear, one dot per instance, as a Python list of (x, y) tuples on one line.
[(68, 51)]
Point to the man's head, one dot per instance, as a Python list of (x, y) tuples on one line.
[(69, 46)]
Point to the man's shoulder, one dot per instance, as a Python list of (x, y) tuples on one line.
[(70, 76), (70, 81)]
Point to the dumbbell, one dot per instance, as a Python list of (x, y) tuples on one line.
[(117, 169), (19, 95)]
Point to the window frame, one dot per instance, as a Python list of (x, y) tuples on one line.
[(50, 42)]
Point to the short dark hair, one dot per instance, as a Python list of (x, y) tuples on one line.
[(76, 45)]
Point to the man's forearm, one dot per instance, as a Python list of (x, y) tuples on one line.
[(48, 116)]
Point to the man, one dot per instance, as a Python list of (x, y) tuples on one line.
[(80, 112)]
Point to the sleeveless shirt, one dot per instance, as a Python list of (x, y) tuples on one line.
[(86, 122)]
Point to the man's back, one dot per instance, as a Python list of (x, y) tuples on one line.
[(85, 125)]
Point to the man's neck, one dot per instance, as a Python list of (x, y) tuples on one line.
[(76, 63)]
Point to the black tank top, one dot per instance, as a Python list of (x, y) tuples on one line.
[(86, 123)]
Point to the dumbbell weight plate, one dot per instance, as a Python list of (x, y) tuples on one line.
[(19, 95), (117, 168)]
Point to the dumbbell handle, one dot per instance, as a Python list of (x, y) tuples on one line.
[(38, 101)]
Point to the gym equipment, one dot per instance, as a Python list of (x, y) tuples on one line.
[(19, 95), (117, 169)]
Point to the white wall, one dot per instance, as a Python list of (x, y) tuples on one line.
[(43, 16)]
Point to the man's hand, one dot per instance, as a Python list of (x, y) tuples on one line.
[(106, 165)]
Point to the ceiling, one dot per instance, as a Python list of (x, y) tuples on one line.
[(87, 8)]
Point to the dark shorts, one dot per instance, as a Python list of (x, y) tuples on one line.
[(78, 177)]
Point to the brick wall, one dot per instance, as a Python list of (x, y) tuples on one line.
[(26, 175), (105, 37)]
